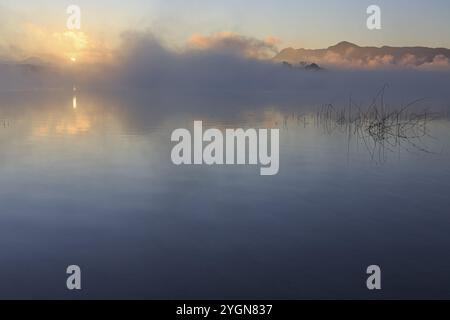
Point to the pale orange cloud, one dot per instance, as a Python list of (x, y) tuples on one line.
[(408, 61), (439, 62), (229, 42), (58, 46)]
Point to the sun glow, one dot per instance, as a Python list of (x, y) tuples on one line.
[(73, 59)]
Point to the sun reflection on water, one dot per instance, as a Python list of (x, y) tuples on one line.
[(75, 122)]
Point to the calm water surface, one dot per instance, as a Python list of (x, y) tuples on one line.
[(87, 180)]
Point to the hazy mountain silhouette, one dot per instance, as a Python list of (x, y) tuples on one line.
[(349, 53)]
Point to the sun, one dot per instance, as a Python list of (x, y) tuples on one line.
[(73, 59)]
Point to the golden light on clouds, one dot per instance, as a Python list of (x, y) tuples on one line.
[(235, 43), (62, 46)]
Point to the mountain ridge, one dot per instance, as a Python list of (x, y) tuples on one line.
[(348, 53)]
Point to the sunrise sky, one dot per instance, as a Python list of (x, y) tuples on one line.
[(38, 28)]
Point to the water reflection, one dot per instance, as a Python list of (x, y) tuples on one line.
[(380, 134), (94, 185), (54, 122)]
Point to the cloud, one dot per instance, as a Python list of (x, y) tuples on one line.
[(228, 42), (56, 47), (224, 60), (60, 46), (440, 62), (381, 62), (346, 55), (144, 62)]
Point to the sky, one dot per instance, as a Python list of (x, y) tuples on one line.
[(39, 26)]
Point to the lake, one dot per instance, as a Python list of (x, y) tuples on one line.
[(86, 179)]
